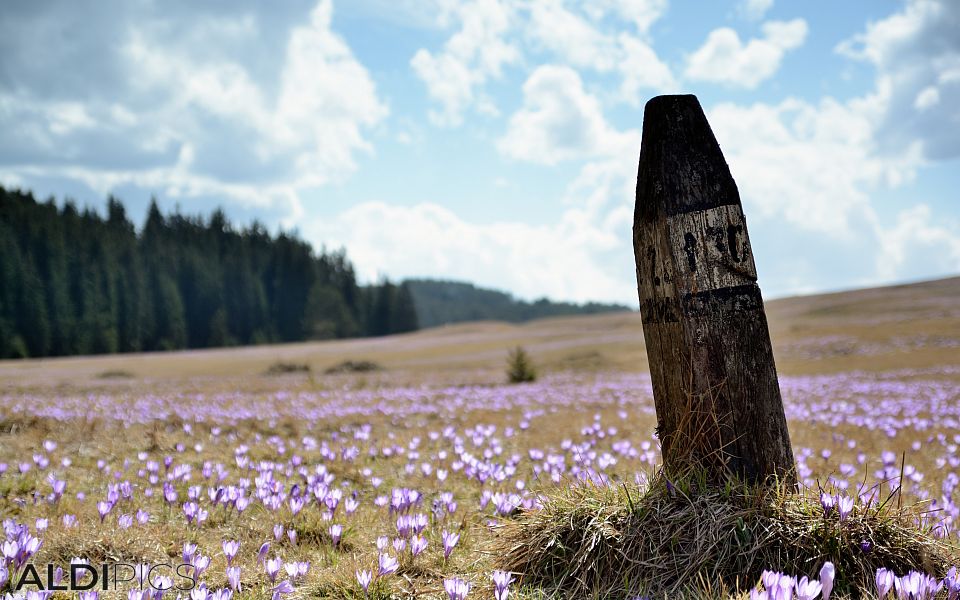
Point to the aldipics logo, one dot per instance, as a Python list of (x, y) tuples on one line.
[(150, 579)]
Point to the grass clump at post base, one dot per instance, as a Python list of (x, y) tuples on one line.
[(520, 368), (684, 537)]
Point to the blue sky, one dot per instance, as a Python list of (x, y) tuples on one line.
[(496, 141)]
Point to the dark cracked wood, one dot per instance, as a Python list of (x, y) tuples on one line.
[(714, 380)]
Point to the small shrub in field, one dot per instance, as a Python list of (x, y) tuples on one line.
[(354, 366), (520, 369), (283, 368), (115, 374)]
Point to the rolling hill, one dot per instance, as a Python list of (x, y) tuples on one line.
[(903, 327)]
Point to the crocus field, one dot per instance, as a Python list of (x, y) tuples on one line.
[(393, 485), (380, 491)]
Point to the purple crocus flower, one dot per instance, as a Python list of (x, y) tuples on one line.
[(827, 574), (189, 551), (770, 579), (501, 584), (10, 550), (336, 532), (273, 566), (930, 587), (387, 565), (262, 553), (364, 577), (296, 505), (350, 505), (418, 544), (457, 589), (190, 510), (233, 576), (284, 587), (103, 508), (828, 503), (449, 542), (952, 583), (909, 585), (201, 563), (845, 507), (230, 549), (28, 546), (807, 589)]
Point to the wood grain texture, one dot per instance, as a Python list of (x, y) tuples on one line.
[(714, 379)]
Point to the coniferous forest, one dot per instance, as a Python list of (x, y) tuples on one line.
[(77, 282)]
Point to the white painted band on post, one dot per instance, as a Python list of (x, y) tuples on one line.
[(711, 249)]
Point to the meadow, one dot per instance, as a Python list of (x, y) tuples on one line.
[(291, 482)]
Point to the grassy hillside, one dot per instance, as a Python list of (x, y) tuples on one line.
[(908, 326), (440, 302)]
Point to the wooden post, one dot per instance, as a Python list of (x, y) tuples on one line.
[(714, 379)]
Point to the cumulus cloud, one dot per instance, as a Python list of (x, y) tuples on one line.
[(916, 53), (642, 70), (812, 164), (915, 243), (571, 37), (577, 35), (189, 103), (641, 13), (754, 9), (724, 58), (476, 53), (810, 171), (560, 121), (559, 260)]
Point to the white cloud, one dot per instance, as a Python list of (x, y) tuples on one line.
[(642, 69), (754, 9), (641, 13), (193, 122), (571, 37), (915, 236), (812, 164), (723, 58), (326, 96), (559, 260), (916, 53), (577, 35), (476, 53), (560, 121), (65, 117)]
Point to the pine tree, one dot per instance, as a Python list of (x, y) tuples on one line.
[(520, 368)]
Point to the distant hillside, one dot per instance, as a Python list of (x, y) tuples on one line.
[(440, 302)]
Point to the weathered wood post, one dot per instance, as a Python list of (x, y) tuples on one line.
[(714, 380)]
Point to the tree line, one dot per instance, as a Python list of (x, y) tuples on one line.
[(77, 282)]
